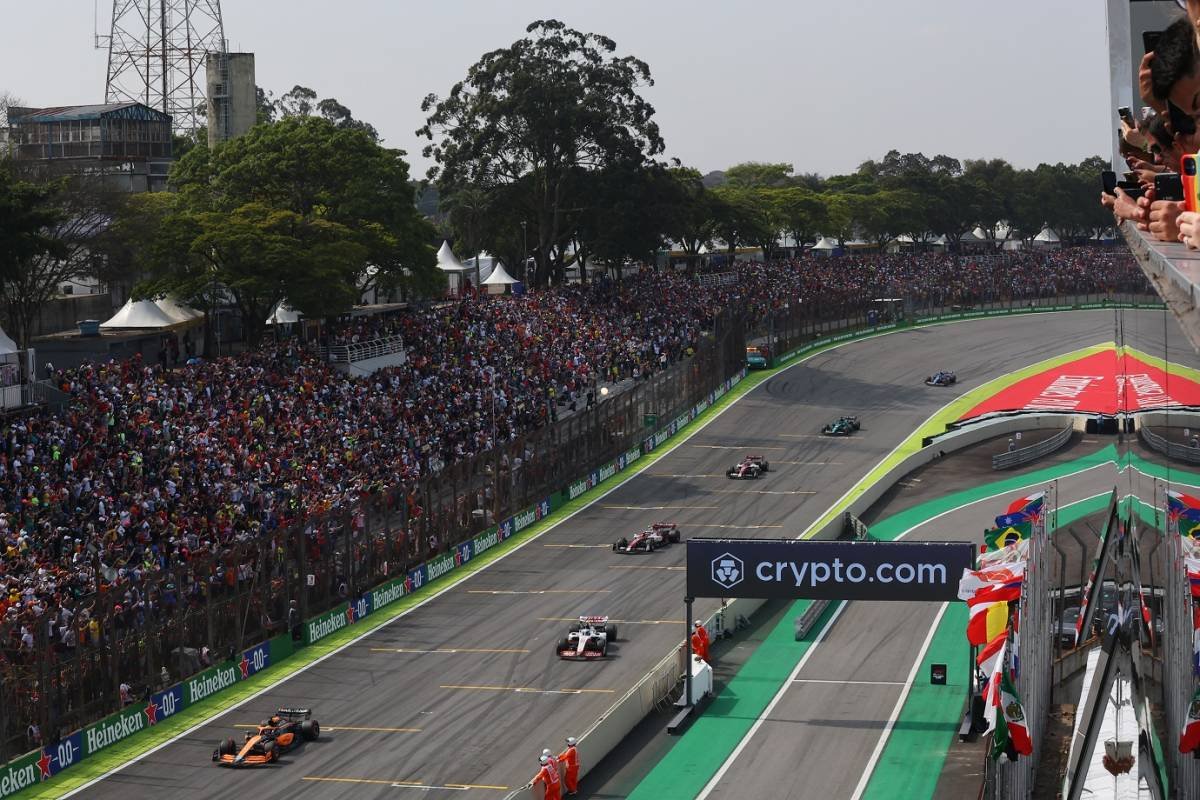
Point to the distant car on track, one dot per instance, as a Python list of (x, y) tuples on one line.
[(941, 378), (587, 639), (748, 468), (842, 426), (660, 534), (284, 731)]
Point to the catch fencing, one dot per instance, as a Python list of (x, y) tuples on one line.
[(1024, 455), (1186, 453)]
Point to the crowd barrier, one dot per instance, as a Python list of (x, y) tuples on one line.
[(1024, 455), (44, 763)]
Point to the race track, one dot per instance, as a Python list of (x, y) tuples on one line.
[(461, 694)]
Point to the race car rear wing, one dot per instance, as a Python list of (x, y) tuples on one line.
[(594, 620), (304, 713)]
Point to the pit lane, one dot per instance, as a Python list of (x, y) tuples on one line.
[(485, 740)]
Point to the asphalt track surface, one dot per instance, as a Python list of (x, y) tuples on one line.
[(460, 695)]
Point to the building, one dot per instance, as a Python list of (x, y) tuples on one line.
[(232, 96), (128, 144)]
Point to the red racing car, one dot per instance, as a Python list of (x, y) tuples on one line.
[(660, 534), (284, 731), (749, 467)]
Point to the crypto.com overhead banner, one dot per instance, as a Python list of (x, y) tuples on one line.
[(824, 570)]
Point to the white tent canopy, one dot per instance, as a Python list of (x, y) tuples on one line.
[(447, 261), (824, 244), (499, 277), (7, 345), (142, 314), (1047, 235), (283, 315), (177, 311)]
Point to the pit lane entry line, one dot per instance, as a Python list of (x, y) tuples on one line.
[(453, 787)]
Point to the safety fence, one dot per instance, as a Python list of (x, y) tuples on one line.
[(361, 351), (169, 639), (1024, 455), (1178, 657), (1188, 454)]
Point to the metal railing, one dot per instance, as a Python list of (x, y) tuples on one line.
[(1024, 455), (1177, 452), (361, 351)]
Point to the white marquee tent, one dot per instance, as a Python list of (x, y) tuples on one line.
[(177, 311), (498, 279), (140, 314), (1047, 238), (283, 315)]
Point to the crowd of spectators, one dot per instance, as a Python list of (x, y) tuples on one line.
[(148, 466)]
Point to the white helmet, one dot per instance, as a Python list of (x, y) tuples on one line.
[(546, 753), (696, 624), (571, 741), (543, 760)]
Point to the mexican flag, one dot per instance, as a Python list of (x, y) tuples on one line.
[(1007, 535), (1189, 738), (1011, 737)]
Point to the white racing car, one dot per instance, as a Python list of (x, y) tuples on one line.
[(587, 639)]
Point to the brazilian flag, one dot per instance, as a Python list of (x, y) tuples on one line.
[(1189, 527), (1007, 534)]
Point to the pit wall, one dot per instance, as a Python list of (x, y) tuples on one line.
[(44, 764)]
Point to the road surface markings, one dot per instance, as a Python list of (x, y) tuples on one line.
[(662, 508), (447, 650), (891, 722), (538, 591), (760, 491), (677, 475), (346, 728), (616, 621), (851, 683), (644, 566), (737, 751), (812, 463), (748, 448), (580, 546), (721, 525), (524, 689), (453, 787)]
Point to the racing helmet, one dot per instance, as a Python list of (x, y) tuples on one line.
[(571, 741), (275, 719)]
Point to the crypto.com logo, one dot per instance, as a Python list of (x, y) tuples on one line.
[(727, 570)]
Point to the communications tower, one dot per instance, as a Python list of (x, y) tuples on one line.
[(157, 51)]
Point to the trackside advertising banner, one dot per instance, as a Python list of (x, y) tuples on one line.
[(820, 570)]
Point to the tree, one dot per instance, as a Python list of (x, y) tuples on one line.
[(801, 212), (47, 235), (691, 221), (743, 217), (756, 174), (315, 169), (544, 108)]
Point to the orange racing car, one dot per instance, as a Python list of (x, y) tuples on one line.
[(284, 731)]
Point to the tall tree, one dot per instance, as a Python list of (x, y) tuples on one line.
[(545, 107), (758, 175)]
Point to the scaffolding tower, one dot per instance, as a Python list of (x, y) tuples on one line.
[(157, 51)]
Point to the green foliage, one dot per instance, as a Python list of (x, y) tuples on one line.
[(757, 175), (533, 117)]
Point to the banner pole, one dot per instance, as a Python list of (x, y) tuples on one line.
[(687, 638)]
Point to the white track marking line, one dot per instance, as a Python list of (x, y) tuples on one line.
[(454, 582), (737, 751), (850, 683), (900, 701)]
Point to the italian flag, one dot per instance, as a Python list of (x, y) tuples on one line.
[(1011, 737)]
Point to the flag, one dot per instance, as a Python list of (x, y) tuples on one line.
[(987, 621), (1011, 737), (991, 662), (1004, 520), (1032, 502), (996, 592), (1004, 537), (1004, 555), (1179, 502), (1193, 573), (1189, 527), (974, 580), (1189, 737)]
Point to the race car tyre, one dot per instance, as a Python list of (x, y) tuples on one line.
[(620, 544), (228, 748), (610, 632), (270, 751), (563, 644), (766, 467), (310, 729), (675, 536)]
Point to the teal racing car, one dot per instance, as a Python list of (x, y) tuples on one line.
[(842, 426)]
